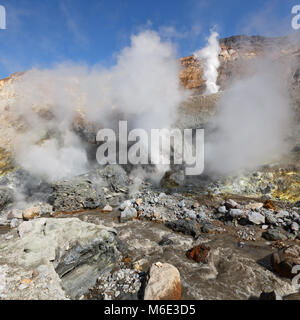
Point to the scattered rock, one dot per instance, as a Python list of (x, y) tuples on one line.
[(139, 201), (208, 227), (274, 235), (285, 259), (231, 204), (256, 218), (188, 227), (199, 253), (125, 205), (31, 213), (107, 209), (195, 205), (164, 283), (295, 226), (236, 213), (222, 209), (270, 218), (269, 205), (128, 214)]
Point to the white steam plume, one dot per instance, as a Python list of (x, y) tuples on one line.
[(209, 56), (252, 121), (143, 88)]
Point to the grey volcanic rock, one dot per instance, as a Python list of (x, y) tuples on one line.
[(6, 197), (69, 255), (76, 195), (274, 235), (111, 176), (187, 227), (128, 214)]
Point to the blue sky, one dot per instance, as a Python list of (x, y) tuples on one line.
[(41, 33)]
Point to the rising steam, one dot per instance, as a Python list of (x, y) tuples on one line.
[(143, 88), (209, 58), (253, 120)]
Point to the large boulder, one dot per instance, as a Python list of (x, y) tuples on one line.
[(285, 259), (164, 283), (77, 194), (111, 176), (56, 259)]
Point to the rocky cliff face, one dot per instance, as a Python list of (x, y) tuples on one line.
[(236, 52)]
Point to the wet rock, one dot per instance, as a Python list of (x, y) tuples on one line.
[(6, 197), (128, 214), (164, 283), (285, 259), (270, 296), (77, 194), (165, 242), (74, 254), (208, 227), (188, 227), (199, 253), (31, 213), (274, 235), (256, 218), (107, 209)]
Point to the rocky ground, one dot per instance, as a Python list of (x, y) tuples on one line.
[(101, 236), (96, 239)]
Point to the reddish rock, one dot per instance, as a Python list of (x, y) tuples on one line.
[(31, 213), (164, 283), (269, 205), (199, 253)]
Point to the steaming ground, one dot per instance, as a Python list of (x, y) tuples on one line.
[(143, 88), (250, 127)]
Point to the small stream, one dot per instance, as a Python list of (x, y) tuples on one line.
[(230, 278)]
